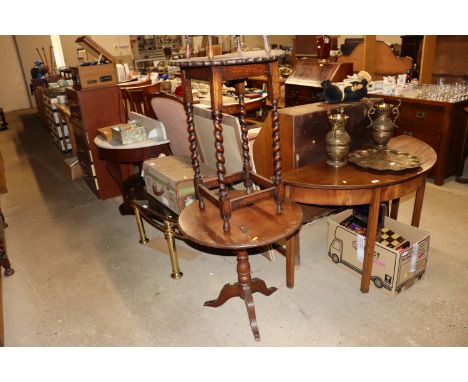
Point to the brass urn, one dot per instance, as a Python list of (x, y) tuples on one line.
[(337, 140), (382, 124)]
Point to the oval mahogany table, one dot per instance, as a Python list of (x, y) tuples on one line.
[(255, 225), (118, 157), (350, 185)]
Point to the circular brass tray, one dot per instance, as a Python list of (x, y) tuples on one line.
[(383, 160)]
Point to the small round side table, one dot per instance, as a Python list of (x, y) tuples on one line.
[(252, 226)]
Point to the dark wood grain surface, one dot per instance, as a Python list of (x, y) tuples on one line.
[(251, 226)]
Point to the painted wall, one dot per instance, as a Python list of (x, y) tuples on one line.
[(13, 90), (118, 46), (27, 51), (69, 48), (252, 41)]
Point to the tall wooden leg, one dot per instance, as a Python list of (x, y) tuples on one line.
[(370, 240), (192, 137), (292, 258), (169, 235), (418, 202), (394, 208), (217, 107), (240, 87), (273, 92)]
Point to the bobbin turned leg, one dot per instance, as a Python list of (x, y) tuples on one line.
[(246, 167), (192, 137), (273, 94), (244, 289), (216, 85)]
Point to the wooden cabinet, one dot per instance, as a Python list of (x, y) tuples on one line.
[(304, 83), (440, 124), (91, 109), (302, 134)]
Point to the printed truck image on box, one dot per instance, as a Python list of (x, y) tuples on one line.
[(392, 270)]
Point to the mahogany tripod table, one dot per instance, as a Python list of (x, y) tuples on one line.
[(350, 185), (120, 158), (252, 226)]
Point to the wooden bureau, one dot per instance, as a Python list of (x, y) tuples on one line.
[(440, 124), (91, 109), (304, 83)]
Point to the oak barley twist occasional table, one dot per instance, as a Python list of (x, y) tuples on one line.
[(235, 68), (236, 219)]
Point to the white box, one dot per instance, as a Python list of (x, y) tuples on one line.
[(392, 270)]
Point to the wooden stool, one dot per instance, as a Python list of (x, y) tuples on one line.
[(252, 226), (234, 68)]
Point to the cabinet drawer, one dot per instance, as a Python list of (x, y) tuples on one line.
[(421, 131), (431, 116)]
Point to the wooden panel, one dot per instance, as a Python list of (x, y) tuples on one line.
[(451, 56), (427, 59), (369, 54), (92, 109), (386, 63)]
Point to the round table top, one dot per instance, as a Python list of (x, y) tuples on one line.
[(252, 226), (248, 57), (321, 175)]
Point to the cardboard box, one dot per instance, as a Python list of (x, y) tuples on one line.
[(392, 270), (170, 180), (90, 76), (73, 168)]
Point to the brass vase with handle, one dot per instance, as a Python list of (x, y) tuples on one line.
[(382, 124), (337, 140)]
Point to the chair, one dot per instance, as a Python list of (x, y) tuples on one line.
[(170, 111), (232, 139), (134, 98)]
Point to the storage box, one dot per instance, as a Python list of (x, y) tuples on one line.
[(392, 270), (73, 168), (126, 133), (170, 180), (92, 74)]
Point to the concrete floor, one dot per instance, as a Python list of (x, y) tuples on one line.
[(82, 278)]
